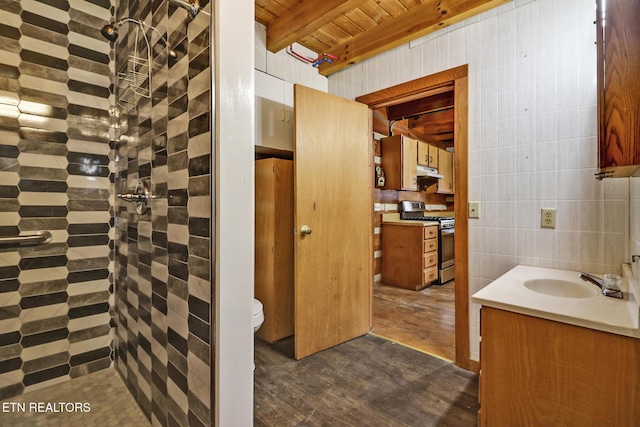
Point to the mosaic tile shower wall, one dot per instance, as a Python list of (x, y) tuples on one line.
[(162, 262), (56, 173)]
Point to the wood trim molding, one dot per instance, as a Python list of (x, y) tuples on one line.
[(456, 78), (460, 201), (419, 88)]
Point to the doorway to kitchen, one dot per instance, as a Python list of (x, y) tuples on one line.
[(433, 110)]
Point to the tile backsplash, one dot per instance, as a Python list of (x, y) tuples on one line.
[(532, 136)]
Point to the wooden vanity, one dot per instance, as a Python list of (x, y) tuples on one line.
[(540, 372), (551, 359)]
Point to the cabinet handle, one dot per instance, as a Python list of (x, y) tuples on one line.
[(305, 230)]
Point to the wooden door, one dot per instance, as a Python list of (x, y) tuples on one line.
[(333, 179)]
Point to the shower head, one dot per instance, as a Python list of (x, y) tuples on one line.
[(110, 31)]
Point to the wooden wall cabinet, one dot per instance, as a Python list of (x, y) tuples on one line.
[(274, 114), (618, 39), (399, 155), (428, 155), (540, 372), (443, 185), (409, 255), (274, 246)]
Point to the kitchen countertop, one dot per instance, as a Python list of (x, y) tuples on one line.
[(394, 218), (618, 316)]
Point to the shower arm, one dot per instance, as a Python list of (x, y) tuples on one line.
[(192, 7)]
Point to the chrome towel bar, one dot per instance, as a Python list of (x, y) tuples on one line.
[(39, 238)]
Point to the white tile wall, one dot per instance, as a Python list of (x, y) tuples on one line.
[(283, 65), (532, 137)]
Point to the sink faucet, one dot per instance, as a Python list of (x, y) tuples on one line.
[(614, 293)]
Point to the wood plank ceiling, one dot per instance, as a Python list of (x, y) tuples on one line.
[(354, 30)]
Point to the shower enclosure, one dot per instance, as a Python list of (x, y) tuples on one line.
[(114, 286)]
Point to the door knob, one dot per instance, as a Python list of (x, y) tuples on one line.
[(305, 230)]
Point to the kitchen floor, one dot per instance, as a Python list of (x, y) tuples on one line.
[(102, 393), (424, 320), (368, 381)]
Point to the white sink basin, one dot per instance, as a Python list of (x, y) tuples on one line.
[(562, 288)]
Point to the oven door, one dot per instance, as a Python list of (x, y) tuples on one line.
[(446, 256), (447, 250)]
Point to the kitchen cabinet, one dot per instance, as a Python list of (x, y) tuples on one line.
[(399, 160), (618, 40), (409, 254), (428, 155), (443, 185), (274, 246), (274, 114), (542, 372)]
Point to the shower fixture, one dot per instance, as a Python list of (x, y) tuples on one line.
[(110, 32), (192, 7)]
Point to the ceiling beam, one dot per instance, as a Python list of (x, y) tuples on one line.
[(304, 19), (420, 106), (417, 22)]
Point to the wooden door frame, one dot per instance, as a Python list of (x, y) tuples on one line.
[(420, 88)]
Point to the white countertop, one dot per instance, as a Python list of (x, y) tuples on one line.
[(619, 316)]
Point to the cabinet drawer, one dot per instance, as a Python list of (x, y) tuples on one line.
[(430, 259), (431, 232), (429, 275), (430, 245)]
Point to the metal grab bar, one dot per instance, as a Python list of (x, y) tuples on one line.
[(39, 238)]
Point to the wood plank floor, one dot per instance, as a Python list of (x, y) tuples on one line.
[(424, 320), (368, 381)]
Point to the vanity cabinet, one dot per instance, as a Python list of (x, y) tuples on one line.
[(274, 114), (409, 254), (618, 40), (399, 155), (274, 246), (538, 372)]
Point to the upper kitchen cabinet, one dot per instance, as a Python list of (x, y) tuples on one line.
[(399, 161), (427, 155), (443, 185), (274, 115), (618, 34)]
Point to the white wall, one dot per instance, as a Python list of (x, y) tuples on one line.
[(234, 206), (532, 136), (285, 66)]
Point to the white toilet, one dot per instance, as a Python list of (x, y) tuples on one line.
[(258, 315)]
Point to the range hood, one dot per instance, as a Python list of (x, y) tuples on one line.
[(428, 172)]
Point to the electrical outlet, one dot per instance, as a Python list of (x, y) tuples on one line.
[(548, 218), (474, 210)]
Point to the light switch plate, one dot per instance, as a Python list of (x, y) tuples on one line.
[(474, 210), (548, 218)]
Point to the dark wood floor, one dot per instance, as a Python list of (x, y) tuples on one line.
[(368, 381), (424, 320)]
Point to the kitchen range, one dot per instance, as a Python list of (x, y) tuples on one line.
[(416, 211)]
